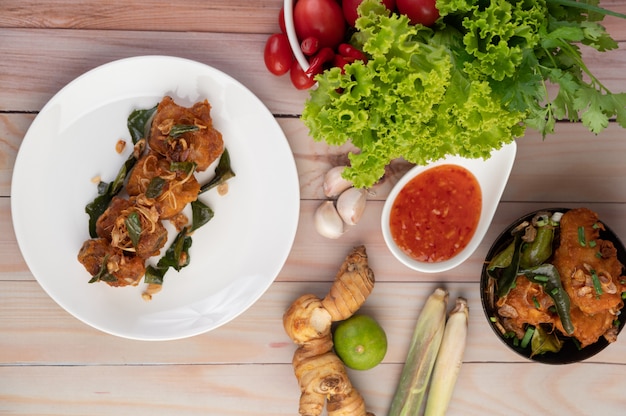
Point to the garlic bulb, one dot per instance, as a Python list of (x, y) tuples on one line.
[(327, 221), (334, 184), (351, 204)]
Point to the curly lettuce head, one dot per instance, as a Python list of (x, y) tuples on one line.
[(411, 100)]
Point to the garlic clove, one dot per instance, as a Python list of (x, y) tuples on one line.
[(334, 184), (327, 221), (351, 204)]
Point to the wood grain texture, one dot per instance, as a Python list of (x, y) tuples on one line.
[(259, 16), (70, 53), (199, 374), (53, 364), (32, 55), (187, 390), (36, 331)]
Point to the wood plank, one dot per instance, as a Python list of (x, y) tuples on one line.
[(69, 53), (12, 265), (56, 57), (35, 331), (258, 16), (13, 127), (189, 390)]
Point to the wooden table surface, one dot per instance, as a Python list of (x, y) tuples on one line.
[(53, 364)]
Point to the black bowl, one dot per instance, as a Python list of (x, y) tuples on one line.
[(570, 352)]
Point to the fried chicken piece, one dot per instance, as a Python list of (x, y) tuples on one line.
[(148, 167), (579, 265), (121, 269), (178, 188), (591, 274), (589, 328), (112, 226), (202, 146), (106, 221), (526, 303)]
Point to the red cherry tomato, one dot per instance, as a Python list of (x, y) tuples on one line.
[(321, 19), (350, 12), (299, 78), (278, 55), (419, 11)]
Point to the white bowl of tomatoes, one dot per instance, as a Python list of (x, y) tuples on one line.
[(315, 35)]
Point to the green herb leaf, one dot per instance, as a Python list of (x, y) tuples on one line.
[(201, 214), (223, 172), (176, 257), (185, 167), (97, 207), (179, 129), (103, 274), (133, 227), (139, 123), (154, 275), (508, 277), (155, 187), (542, 342)]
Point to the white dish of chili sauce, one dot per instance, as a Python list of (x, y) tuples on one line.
[(437, 215)]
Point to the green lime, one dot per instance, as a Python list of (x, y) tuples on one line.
[(360, 342)]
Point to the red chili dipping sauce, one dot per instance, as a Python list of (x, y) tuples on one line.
[(436, 213)]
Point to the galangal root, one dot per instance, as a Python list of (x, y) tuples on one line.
[(320, 373)]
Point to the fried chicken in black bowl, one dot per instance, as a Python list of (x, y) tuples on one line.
[(553, 285)]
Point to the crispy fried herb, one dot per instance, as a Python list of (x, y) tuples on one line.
[(186, 167), (155, 187), (107, 191), (179, 129), (543, 341), (139, 122), (506, 280), (103, 274), (201, 214), (223, 172), (133, 227), (176, 257)]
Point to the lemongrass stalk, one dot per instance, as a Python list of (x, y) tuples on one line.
[(449, 360), (420, 361)]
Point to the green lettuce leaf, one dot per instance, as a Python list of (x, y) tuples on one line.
[(411, 100), (466, 87)]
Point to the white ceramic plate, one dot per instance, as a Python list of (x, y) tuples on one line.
[(492, 175), (234, 258)]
